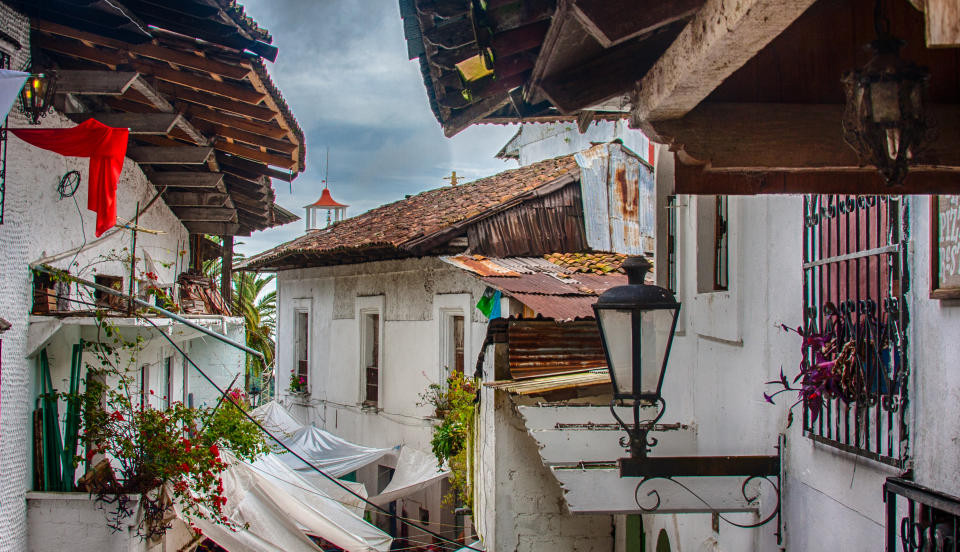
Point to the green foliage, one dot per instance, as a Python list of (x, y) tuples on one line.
[(176, 448), (453, 434)]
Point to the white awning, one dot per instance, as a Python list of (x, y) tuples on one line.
[(271, 466), (416, 470), (10, 84), (276, 419)]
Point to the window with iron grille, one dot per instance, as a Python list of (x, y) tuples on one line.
[(854, 277), (919, 518), (671, 260)]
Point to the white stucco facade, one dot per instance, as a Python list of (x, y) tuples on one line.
[(413, 300)]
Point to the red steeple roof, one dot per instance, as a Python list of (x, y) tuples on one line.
[(326, 200)]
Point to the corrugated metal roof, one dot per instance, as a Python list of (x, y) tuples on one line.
[(481, 265), (536, 386), (558, 307)]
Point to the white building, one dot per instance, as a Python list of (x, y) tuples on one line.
[(176, 194), (375, 308)]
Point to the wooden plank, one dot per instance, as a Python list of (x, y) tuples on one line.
[(720, 39), (195, 199), (255, 154), (183, 179), (106, 83), (271, 130), (748, 137), (218, 102), (72, 32), (943, 23), (80, 51), (250, 138), (159, 155), (233, 91), (606, 76), (214, 228), (191, 60), (205, 214), (614, 21), (150, 94), (691, 179), (138, 123)]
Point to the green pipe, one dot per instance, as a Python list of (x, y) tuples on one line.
[(72, 426)]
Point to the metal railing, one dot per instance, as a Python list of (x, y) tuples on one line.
[(929, 521), (854, 278)]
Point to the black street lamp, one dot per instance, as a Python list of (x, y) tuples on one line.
[(637, 325), (36, 96)]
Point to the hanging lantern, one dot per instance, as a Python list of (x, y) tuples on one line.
[(884, 120), (36, 96)]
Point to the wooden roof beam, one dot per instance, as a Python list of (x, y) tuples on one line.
[(249, 138), (720, 39), (80, 51), (183, 179), (196, 199), (749, 137), (218, 102), (205, 214), (94, 83), (255, 154), (233, 92), (271, 130), (215, 228), (159, 155), (138, 123), (612, 22)]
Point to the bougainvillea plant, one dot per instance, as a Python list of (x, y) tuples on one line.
[(828, 369), (452, 435), (169, 455)]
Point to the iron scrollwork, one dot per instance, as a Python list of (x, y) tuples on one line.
[(743, 492)]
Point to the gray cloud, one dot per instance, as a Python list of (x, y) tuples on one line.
[(344, 71)]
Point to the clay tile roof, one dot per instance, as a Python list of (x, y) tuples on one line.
[(390, 227), (597, 263)]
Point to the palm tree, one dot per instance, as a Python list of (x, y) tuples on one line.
[(258, 308)]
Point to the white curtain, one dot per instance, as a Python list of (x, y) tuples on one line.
[(10, 84)]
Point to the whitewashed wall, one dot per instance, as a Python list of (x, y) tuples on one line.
[(537, 142), (38, 224), (411, 295)]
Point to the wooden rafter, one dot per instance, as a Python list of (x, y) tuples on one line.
[(196, 199), (179, 179), (612, 22), (205, 214), (158, 155)]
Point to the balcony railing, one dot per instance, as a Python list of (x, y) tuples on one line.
[(920, 519), (854, 281)]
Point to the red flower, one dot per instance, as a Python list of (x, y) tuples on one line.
[(215, 451), (184, 467)]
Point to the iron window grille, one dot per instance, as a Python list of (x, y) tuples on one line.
[(4, 64), (930, 520), (721, 247), (671, 261), (855, 277)]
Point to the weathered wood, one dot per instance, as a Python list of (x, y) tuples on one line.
[(784, 137), (271, 130), (692, 179), (943, 23), (151, 95), (138, 123), (226, 269), (214, 228), (247, 152), (232, 91), (614, 21), (80, 51), (106, 83), (453, 125), (250, 138), (158, 155), (720, 38), (195, 199), (218, 102), (607, 76), (193, 61), (208, 214)]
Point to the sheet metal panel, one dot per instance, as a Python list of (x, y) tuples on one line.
[(538, 348), (561, 308), (543, 284)]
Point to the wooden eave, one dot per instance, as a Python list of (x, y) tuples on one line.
[(183, 100)]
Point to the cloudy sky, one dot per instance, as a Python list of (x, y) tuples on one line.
[(344, 71)]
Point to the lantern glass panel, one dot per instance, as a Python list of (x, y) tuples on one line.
[(615, 326), (885, 100), (655, 332)]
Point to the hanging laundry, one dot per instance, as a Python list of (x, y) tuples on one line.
[(106, 148), (489, 304), (10, 84)]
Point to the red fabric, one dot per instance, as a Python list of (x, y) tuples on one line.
[(106, 148)]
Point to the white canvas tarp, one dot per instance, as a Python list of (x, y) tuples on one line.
[(271, 466), (416, 470), (279, 512), (276, 419), (335, 456), (10, 84)]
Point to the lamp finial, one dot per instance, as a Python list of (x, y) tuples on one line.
[(636, 268)]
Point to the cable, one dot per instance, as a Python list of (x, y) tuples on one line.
[(292, 452)]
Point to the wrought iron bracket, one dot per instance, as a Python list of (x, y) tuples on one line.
[(759, 467)]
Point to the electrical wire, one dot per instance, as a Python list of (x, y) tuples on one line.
[(294, 453)]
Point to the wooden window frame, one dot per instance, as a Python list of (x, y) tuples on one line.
[(301, 366), (937, 290)]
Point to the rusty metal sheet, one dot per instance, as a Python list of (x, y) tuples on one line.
[(544, 284), (481, 266), (536, 386), (558, 307), (543, 347)]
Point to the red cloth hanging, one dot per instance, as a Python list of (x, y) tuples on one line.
[(106, 148)]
